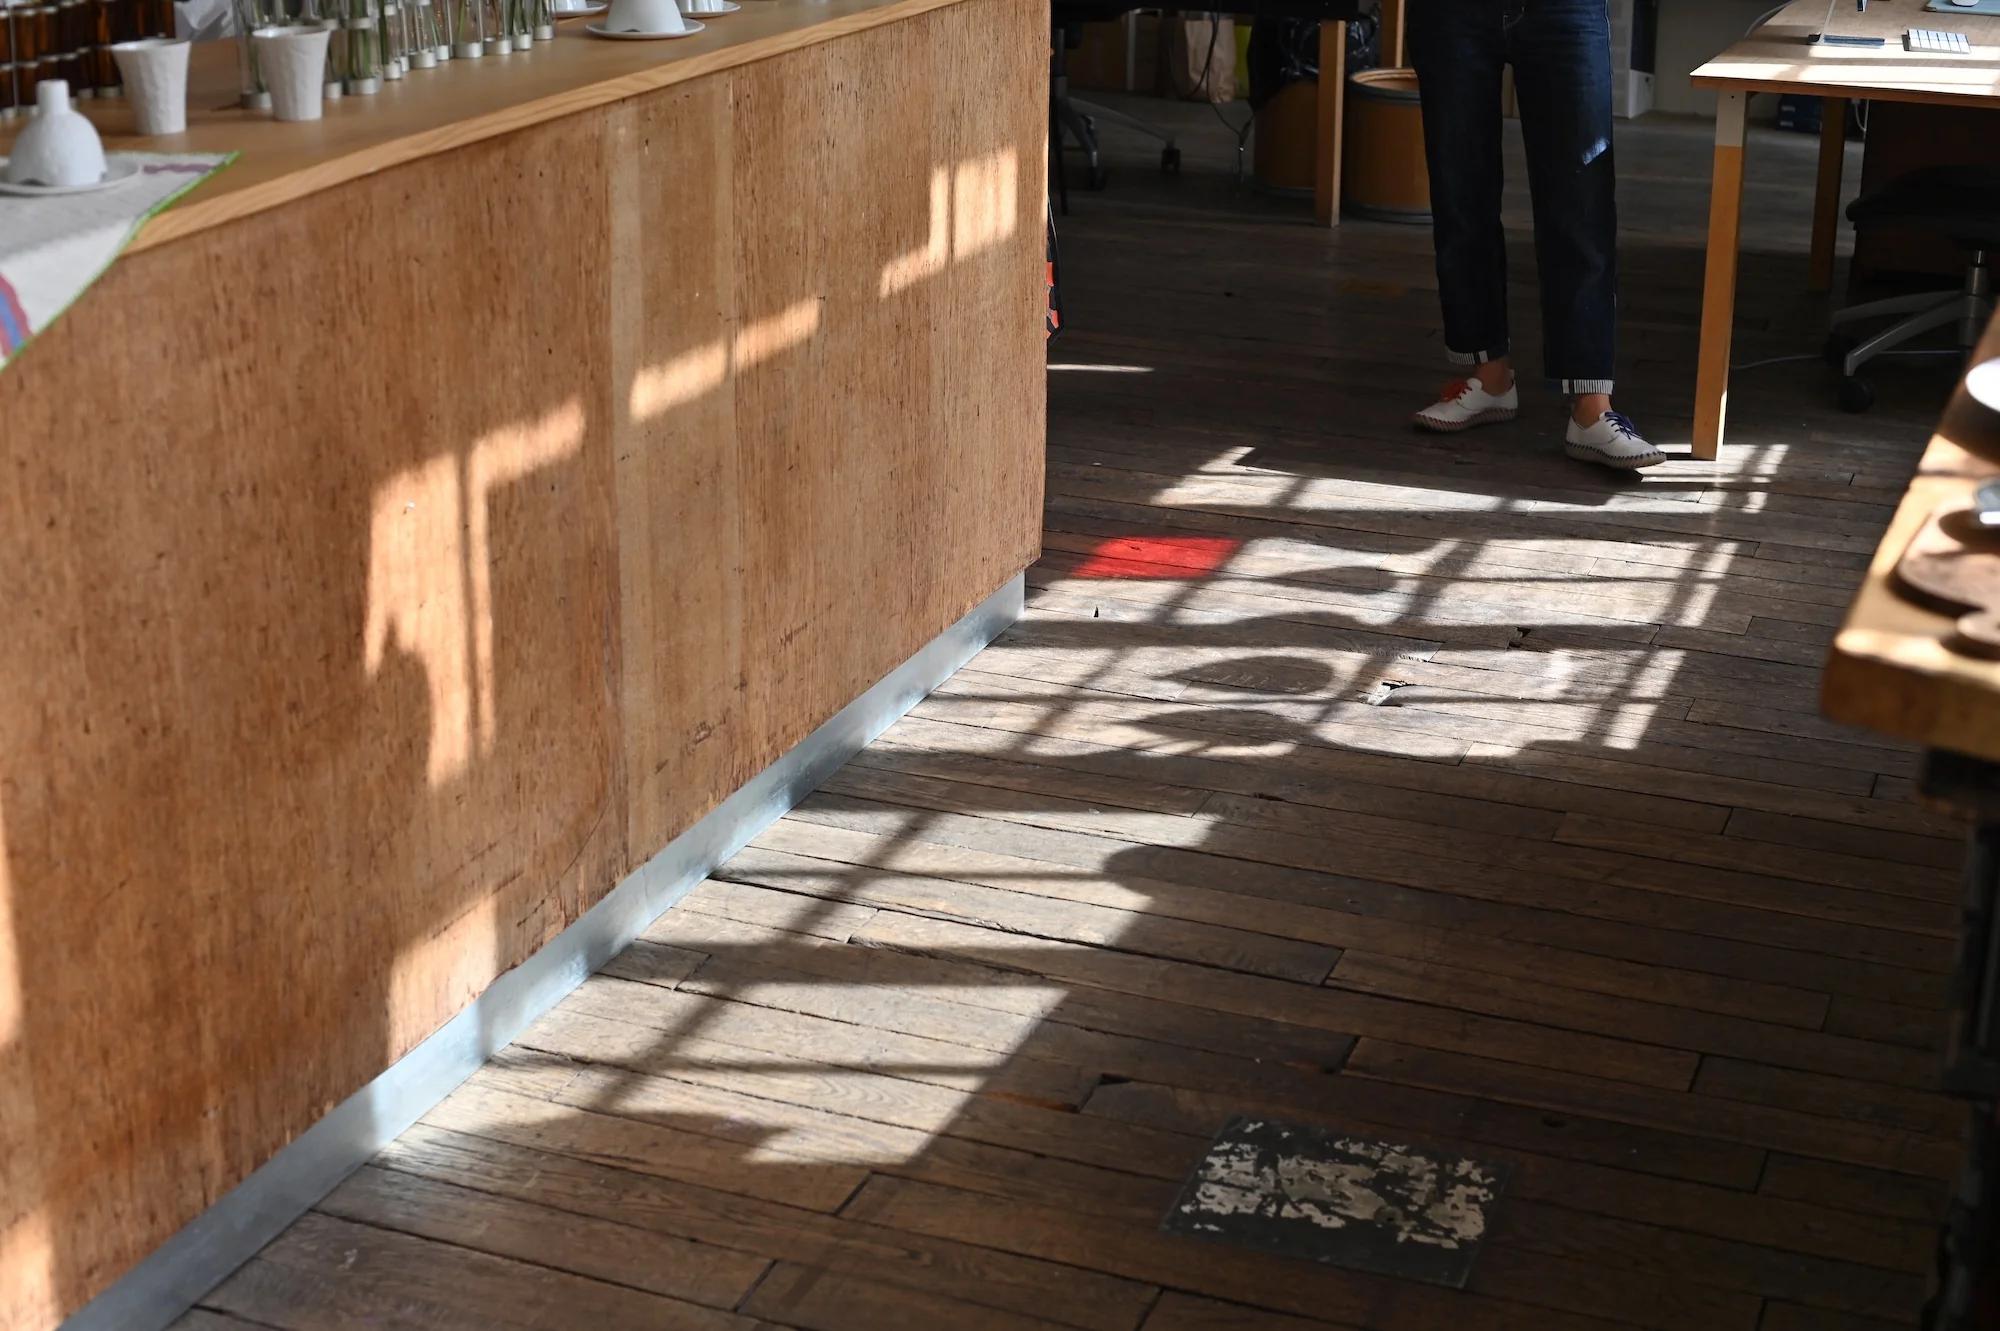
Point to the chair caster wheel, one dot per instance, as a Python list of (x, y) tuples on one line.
[(1836, 350), (1170, 159), (1856, 395)]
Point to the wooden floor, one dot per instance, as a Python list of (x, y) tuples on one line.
[(1443, 791)]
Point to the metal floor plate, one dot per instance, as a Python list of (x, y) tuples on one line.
[(1346, 1201)]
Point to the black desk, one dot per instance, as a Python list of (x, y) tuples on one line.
[(1327, 11), (1333, 17)]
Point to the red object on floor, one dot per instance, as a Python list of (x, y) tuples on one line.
[(1158, 557)]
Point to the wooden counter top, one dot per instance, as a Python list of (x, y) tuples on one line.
[(459, 102), (1890, 670)]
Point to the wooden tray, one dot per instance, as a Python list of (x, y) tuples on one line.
[(1952, 565)]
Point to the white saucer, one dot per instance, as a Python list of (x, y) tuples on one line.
[(584, 12), (728, 7), (599, 30), (117, 171)]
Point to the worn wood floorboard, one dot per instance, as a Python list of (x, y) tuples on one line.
[(1435, 790)]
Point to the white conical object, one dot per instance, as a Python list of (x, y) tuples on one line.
[(59, 146)]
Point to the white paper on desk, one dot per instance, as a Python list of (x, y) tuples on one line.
[(204, 20)]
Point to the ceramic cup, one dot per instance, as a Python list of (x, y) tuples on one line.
[(155, 71), (293, 59), (699, 7), (644, 16), (59, 146)]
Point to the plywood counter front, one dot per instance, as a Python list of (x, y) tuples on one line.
[(443, 508)]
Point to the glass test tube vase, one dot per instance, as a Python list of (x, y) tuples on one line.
[(468, 29), (421, 16), (363, 27), (393, 43), (250, 16)]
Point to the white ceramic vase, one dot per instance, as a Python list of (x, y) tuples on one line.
[(155, 71), (59, 147), (657, 16), (293, 60)]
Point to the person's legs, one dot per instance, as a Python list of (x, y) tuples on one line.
[(1561, 53), (1456, 49)]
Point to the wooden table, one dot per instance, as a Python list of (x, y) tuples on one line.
[(1892, 671), (440, 511), (1777, 58)]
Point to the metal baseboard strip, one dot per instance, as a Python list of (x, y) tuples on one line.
[(205, 1251)]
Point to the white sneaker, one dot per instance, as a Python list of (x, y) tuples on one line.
[(1465, 404), (1613, 442)]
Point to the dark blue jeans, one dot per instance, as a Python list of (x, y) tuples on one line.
[(1561, 54)]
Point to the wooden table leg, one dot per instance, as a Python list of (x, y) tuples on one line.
[(1718, 300), (1330, 122), (1392, 34), (1826, 202)]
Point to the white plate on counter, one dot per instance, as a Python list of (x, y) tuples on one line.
[(117, 171), (1982, 382), (599, 30)]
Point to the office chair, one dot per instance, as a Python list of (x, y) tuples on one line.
[(1959, 203), (1079, 117)]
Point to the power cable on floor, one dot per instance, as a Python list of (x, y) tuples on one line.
[(1774, 360)]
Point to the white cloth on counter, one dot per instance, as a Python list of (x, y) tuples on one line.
[(53, 247)]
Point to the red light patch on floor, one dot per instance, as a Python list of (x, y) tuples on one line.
[(1158, 557)]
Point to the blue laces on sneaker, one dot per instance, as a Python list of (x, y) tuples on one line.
[(1623, 424)]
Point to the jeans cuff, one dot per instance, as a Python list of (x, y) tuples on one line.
[(1578, 387), (1477, 357)]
